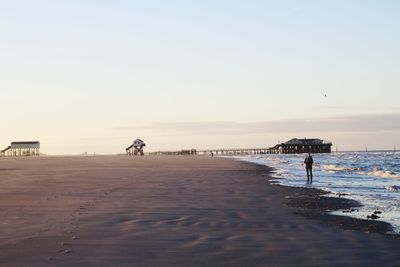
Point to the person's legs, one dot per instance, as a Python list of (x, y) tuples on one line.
[(308, 173), (311, 174)]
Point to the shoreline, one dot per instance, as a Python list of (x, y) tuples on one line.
[(313, 203), (349, 210)]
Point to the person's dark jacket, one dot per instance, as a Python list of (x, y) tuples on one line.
[(309, 162)]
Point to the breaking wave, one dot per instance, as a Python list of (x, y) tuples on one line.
[(379, 172)]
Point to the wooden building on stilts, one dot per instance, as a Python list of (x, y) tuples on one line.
[(20, 149), (297, 146)]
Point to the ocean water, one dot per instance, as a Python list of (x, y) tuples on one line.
[(372, 178)]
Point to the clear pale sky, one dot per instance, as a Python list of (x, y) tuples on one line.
[(91, 76)]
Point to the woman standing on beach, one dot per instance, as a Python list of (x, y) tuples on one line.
[(308, 161)]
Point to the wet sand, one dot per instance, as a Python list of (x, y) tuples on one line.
[(174, 211)]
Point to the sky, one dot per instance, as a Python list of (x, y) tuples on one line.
[(92, 76)]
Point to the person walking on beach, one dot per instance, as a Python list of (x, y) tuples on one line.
[(308, 161)]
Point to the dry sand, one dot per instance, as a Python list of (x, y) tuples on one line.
[(170, 211)]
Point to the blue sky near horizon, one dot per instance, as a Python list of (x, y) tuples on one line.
[(93, 75)]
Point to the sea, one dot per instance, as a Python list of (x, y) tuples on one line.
[(371, 178)]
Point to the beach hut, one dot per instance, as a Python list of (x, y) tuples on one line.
[(306, 145), (136, 148), (22, 148)]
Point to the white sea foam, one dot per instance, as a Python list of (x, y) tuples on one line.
[(379, 172), (333, 167)]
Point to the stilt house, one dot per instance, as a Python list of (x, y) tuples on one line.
[(295, 146), (25, 148)]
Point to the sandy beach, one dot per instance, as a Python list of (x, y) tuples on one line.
[(174, 211)]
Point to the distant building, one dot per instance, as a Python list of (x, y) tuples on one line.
[(136, 148), (25, 148), (295, 146)]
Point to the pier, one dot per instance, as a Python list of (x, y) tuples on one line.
[(175, 152), (234, 151), (293, 146), (216, 152)]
